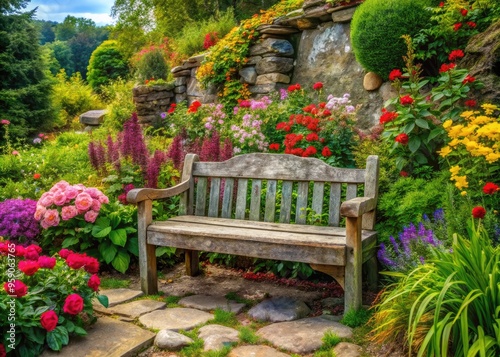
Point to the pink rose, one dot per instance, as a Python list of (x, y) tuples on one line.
[(40, 211), (28, 267), (96, 205), (75, 260), (71, 192), (91, 265), (68, 212), (103, 199), (83, 201), (16, 289), (50, 218), (91, 216), (46, 200), (31, 253), (59, 198), (94, 282), (61, 185), (73, 304), (63, 253), (49, 320), (93, 192)]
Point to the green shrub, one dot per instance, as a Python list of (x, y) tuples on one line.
[(376, 29), (106, 64), (152, 65), (120, 105)]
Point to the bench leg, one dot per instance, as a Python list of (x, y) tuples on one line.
[(147, 256), (192, 262), (352, 290)]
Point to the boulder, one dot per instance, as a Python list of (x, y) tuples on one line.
[(372, 81), (272, 47), (248, 75), (171, 340), (274, 64), (272, 78)]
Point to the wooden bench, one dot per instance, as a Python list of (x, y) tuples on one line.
[(226, 223)]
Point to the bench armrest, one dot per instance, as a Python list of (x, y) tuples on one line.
[(358, 206), (137, 195)]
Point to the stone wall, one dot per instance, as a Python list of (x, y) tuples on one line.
[(306, 46)]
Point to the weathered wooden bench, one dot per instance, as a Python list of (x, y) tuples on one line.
[(225, 223)]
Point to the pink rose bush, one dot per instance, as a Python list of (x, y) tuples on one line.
[(64, 202), (50, 297)]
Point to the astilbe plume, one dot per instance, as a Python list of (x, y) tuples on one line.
[(154, 168), (133, 144), (93, 156), (227, 150), (113, 154), (175, 152), (210, 149), (17, 220)]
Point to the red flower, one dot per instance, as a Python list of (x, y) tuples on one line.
[(75, 260), (28, 267), (245, 103), (91, 265), (490, 188), (193, 108), (402, 139), (457, 26), (312, 137), (441, 4), (49, 320), (388, 117), (36, 176), (311, 150), (18, 290), (73, 304), (468, 79), (294, 87), (47, 262), (464, 12), (317, 86), (274, 147), (31, 253), (406, 100), (478, 212), (326, 152), (283, 126), (471, 24), (403, 174), (471, 103), (446, 67), (455, 54), (326, 113), (395, 74), (309, 108), (63, 253), (20, 251), (94, 282)]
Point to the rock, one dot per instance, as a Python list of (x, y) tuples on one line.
[(332, 302), (197, 58), (346, 349), (253, 60), (208, 303), (343, 15), (147, 119), (189, 65), (132, 309), (180, 89), (312, 3), (216, 337), (93, 117), (256, 351), (272, 47), (320, 12), (307, 24), (182, 73), (302, 336), (248, 75), (274, 64), (193, 88), (180, 81), (279, 309), (272, 78), (180, 97), (372, 81), (118, 296), (262, 88), (171, 340), (387, 91), (277, 37), (276, 30), (175, 319)]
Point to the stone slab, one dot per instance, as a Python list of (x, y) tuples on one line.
[(119, 296), (209, 302), (175, 319), (302, 336), (92, 117), (133, 309), (107, 337), (256, 351), (346, 349), (279, 309), (216, 337)]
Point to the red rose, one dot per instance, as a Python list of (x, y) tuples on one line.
[(18, 290), (406, 100), (309, 108), (326, 152), (490, 188), (457, 26), (388, 117), (47, 262), (317, 86), (49, 320), (326, 113), (402, 139), (94, 282), (395, 74), (63, 253), (36, 176), (75, 260), (468, 79), (91, 265), (274, 147), (441, 4), (20, 250), (471, 24), (31, 252), (464, 12), (28, 267), (478, 212), (73, 304), (471, 103), (455, 54)]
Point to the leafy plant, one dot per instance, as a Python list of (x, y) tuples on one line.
[(356, 318), (225, 318), (106, 64), (152, 65)]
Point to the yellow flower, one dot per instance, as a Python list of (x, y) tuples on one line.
[(455, 170), (461, 182), (481, 119), (489, 108), (467, 114), (454, 142), (445, 151), (463, 193), (447, 123), (492, 157), (471, 145), (454, 131), (468, 130)]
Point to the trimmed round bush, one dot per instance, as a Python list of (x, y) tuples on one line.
[(106, 64), (152, 65), (377, 27)]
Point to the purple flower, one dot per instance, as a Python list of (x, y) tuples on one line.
[(17, 219), (133, 144), (283, 93), (175, 152), (163, 115), (154, 168)]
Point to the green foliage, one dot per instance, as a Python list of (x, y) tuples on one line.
[(114, 283), (376, 29), (119, 103), (247, 335), (356, 318), (225, 318), (453, 299), (330, 340), (106, 64), (152, 65), (63, 57)]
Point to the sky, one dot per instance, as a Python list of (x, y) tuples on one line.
[(56, 10)]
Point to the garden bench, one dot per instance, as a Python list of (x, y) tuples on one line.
[(231, 207)]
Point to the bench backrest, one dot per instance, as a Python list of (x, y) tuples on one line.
[(275, 182)]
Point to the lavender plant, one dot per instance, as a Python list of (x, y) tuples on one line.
[(17, 221)]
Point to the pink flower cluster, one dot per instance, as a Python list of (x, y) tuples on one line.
[(68, 201)]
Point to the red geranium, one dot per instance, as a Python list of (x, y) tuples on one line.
[(406, 100), (326, 152), (457, 26), (446, 67), (468, 79), (478, 212), (18, 290), (490, 188), (387, 116), (36, 176), (312, 137), (274, 146), (294, 87), (402, 139), (471, 24), (317, 86), (193, 108), (464, 12), (441, 4), (309, 108), (455, 54), (395, 74), (94, 282), (49, 320), (403, 173), (73, 304), (471, 103), (309, 151), (28, 267)]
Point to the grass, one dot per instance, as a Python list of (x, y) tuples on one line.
[(235, 297), (172, 301), (356, 318), (114, 283), (225, 318), (247, 335)]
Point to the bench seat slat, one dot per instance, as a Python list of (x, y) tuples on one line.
[(227, 198), (269, 215), (241, 199), (201, 196), (255, 200), (213, 206)]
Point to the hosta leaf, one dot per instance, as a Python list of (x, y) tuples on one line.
[(100, 231), (108, 251), (118, 237), (121, 261)]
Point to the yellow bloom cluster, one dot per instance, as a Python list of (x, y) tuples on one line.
[(479, 134), (460, 181)]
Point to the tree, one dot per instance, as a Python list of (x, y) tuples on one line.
[(106, 64), (46, 29), (25, 88), (63, 55)]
